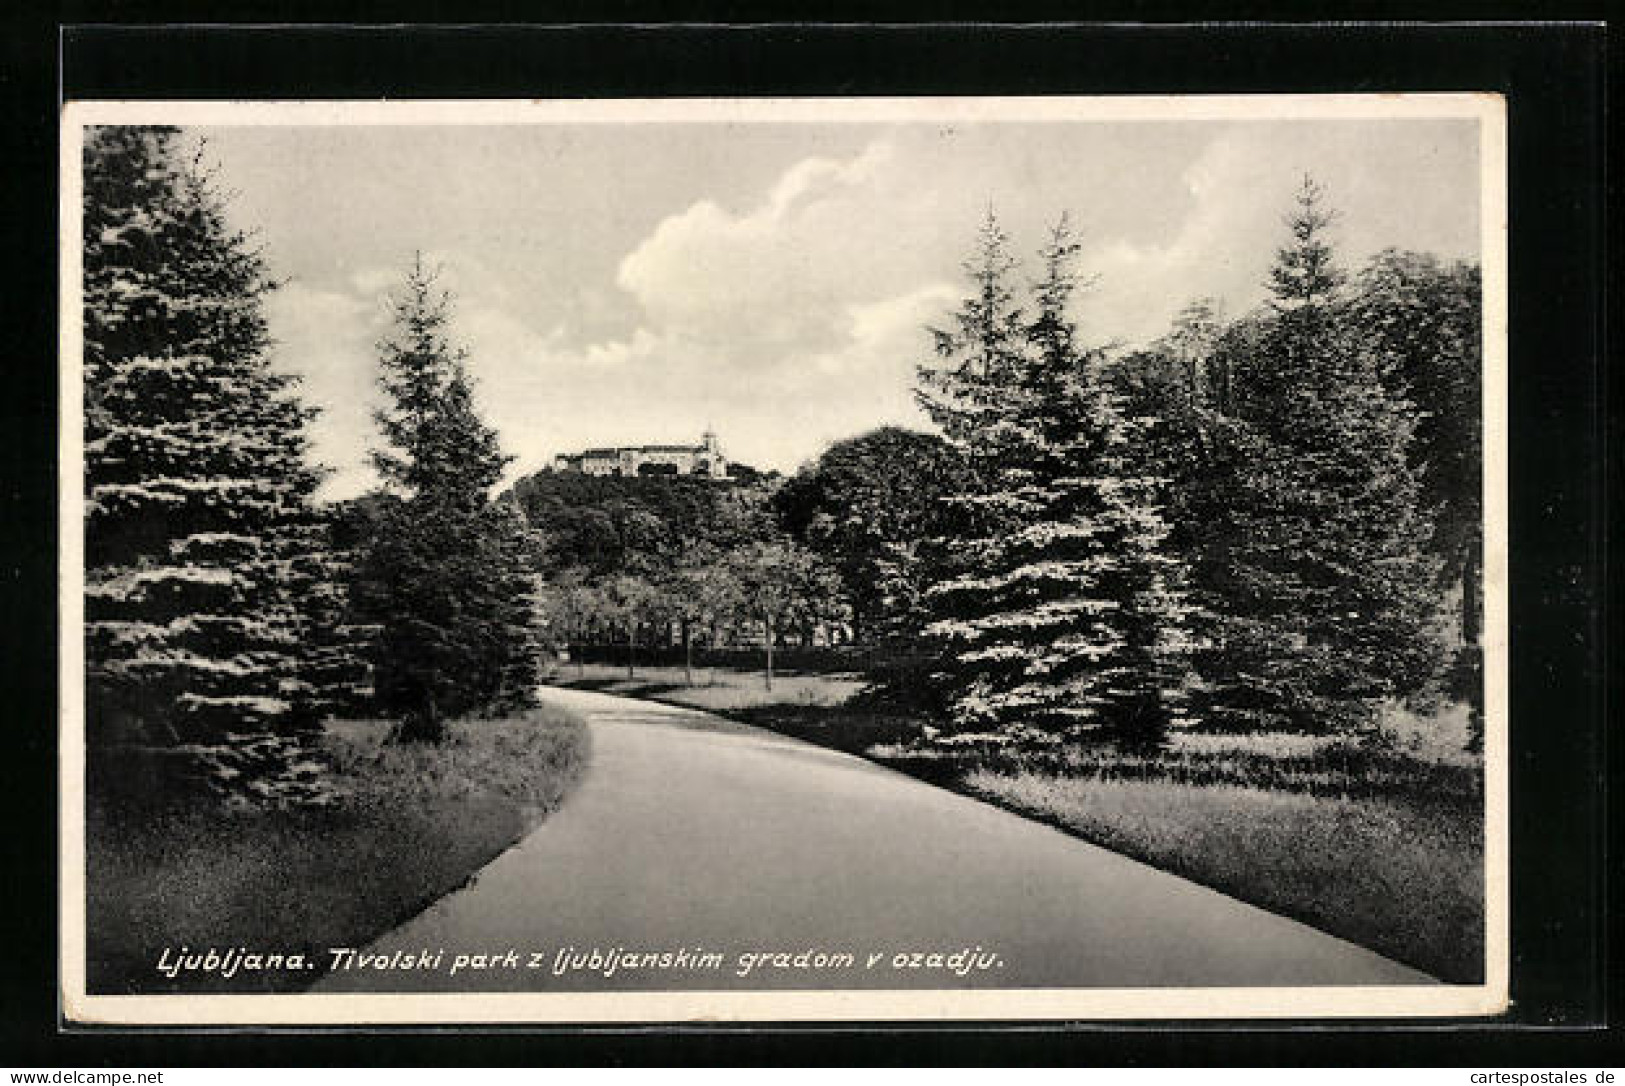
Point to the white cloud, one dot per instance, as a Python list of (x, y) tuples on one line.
[(778, 325), (1238, 192), (776, 278), (1221, 247), (326, 338), (791, 311)]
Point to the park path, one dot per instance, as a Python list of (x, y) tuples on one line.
[(689, 835)]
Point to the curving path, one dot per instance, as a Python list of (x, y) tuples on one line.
[(690, 836)]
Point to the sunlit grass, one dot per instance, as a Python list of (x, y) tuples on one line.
[(714, 688), (1399, 875)]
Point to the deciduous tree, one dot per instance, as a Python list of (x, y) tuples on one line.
[(772, 582), (1423, 321), (699, 592), (865, 505)]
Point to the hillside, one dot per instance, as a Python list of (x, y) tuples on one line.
[(607, 523)]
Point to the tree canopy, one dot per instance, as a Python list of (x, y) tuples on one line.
[(609, 523), (865, 505), (1311, 560)]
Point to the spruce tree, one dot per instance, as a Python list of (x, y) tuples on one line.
[(1178, 392), (338, 643), (1061, 608), (969, 392), (447, 576), (197, 489), (516, 605), (1327, 603)]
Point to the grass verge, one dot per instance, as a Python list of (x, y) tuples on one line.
[(415, 824), (715, 689), (1380, 846), (1401, 876)]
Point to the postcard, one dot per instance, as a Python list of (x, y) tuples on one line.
[(741, 560)]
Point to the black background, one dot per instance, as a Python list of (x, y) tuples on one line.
[(1553, 75)]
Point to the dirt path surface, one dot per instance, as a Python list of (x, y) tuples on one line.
[(687, 842)]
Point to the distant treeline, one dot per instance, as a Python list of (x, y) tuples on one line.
[(607, 524)]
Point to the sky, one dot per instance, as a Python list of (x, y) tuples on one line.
[(627, 283)]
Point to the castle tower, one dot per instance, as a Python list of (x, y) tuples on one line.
[(711, 461)]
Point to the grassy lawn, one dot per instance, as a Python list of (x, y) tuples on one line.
[(415, 824), (714, 688), (1382, 847), (1399, 875)]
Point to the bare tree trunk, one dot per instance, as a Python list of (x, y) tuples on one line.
[(768, 624), (631, 645), (688, 655), (423, 725), (1469, 601)]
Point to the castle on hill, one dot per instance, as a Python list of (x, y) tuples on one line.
[(704, 459)]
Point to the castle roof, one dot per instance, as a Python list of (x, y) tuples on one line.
[(705, 448), (602, 454)]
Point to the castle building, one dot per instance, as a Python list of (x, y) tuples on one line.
[(704, 459)]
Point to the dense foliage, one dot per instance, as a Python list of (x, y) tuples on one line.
[(1423, 321), (200, 540), (1266, 522), (664, 559), (607, 524), (1058, 603), (447, 575), (1297, 493), (866, 505)]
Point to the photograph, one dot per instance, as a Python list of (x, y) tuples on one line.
[(784, 559)]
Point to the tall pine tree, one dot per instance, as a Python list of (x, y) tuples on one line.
[(1327, 603), (197, 489), (338, 643), (1179, 392), (1060, 607), (447, 577)]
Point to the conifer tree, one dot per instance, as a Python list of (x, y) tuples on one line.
[(197, 490), (446, 577), (338, 643), (1061, 608), (969, 392), (1328, 601), (516, 603), (1178, 392)]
